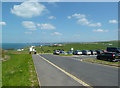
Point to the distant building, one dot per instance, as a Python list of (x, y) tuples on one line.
[(19, 50), (57, 45)]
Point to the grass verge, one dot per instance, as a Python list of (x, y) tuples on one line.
[(117, 64), (0, 74), (19, 71), (65, 55)]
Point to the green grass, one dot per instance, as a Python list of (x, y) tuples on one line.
[(16, 71), (0, 68), (65, 55), (101, 62), (0, 74)]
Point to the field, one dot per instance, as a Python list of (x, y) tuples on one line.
[(18, 70), (78, 46), (0, 74)]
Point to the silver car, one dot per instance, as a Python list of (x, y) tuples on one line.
[(77, 52), (86, 52)]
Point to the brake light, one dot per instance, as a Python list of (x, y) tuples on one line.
[(113, 55)]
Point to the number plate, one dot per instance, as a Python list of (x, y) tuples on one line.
[(117, 56)]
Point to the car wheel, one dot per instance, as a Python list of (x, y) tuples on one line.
[(98, 58), (110, 60)]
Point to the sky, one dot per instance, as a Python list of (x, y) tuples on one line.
[(40, 22)]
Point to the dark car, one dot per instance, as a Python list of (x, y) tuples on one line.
[(99, 51), (113, 49), (104, 51), (93, 52), (61, 51), (110, 56)]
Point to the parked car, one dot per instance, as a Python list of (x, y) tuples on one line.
[(93, 52), (110, 56), (56, 52), (99, 51), (70, 52), (86, 52), (62, 52), (77, 52), (104, 51), (113, 49)]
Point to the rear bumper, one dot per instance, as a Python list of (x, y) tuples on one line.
[(78, 53), (116, 60)]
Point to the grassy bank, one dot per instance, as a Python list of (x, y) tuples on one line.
[(117, 64), (0, 74), (19, 70)]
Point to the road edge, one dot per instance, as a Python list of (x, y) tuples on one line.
[(37, 75)]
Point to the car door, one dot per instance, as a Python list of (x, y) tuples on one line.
[(102, 55)]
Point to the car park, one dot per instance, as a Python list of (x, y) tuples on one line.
[(110, 56), (77, 52), (93, 52), (86, 52)]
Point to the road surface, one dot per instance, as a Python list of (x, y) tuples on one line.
[(89, 74)]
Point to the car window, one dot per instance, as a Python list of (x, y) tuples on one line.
[(108, 54), (103, 54)]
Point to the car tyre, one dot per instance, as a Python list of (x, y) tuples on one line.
[(98, 58)]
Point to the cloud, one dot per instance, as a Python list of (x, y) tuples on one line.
[(28, 9), (46, 26), (79, 15), (51, 17), (28, 32), (53, 0), (69, 17), (82, 20), (113, 21), (95, 24), (3, 23), (29, 25), (100, 30), (56, 33)]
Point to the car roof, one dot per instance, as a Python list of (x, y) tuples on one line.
[(110, 52)]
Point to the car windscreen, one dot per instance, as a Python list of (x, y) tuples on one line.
[(78, 51)]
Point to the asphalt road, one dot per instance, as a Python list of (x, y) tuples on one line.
[(50, 76), (92, 74)]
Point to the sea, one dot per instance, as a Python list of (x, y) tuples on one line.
[(21, 45)]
